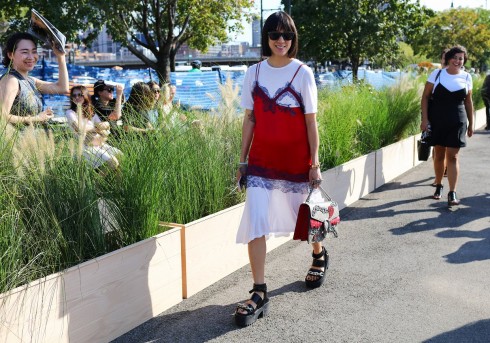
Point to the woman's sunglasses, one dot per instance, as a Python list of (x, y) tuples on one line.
[(109, 89), (274, 35), (156, 90)]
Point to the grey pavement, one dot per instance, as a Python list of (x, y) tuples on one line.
[(405, 268)]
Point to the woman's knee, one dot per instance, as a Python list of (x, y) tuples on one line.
[(439, 154), (452, 155), (113, 163)]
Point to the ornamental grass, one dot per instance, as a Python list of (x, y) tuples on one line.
[(56, 211)]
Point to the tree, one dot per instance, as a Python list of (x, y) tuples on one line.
[(355, 29), (463, 26), (406, 57), (161, 26)]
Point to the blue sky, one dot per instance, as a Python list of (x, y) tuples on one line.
[(270, 6)]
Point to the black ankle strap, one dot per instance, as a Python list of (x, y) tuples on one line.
[(259, 288), (319, 255)]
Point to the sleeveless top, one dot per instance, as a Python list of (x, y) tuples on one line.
[(28, 101), (280, 148), (447, 117)]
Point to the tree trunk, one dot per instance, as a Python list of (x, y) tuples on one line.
[(163, 69), (172, 60), (355, 68)]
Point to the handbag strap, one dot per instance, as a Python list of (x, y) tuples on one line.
[(324, 193)]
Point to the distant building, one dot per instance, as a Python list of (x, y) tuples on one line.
[(256, 37), (104, 43)]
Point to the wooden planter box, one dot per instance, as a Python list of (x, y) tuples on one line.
[(101, 299), (211, 251)]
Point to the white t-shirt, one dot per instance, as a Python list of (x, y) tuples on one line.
[(274, 80), (92, 137), (451, 82)]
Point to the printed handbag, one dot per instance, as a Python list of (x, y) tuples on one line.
[(317, 216)]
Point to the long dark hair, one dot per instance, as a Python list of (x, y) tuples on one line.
[(141, 97), (279, 21), (87, 108), (11, 45)]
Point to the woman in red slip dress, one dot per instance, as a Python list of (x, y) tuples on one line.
[(280, 141)]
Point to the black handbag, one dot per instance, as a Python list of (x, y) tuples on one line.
[(423, 146), (317, 218)]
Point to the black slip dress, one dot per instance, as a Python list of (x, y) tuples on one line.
[(447, 117)]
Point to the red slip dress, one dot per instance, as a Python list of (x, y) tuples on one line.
[(278, 165), (280, 148)]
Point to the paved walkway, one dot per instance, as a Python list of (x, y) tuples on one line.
[(405, 268)]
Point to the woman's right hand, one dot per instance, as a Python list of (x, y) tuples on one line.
[(424, 125), (104, 133), (103, 125), (119, 89), (45, 115), (242, 171)]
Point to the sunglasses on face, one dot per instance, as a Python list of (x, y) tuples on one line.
[(156, 90), (274, 35), (109, 89), (77, 95)]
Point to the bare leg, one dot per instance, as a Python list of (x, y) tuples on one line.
[(256, 253), (452, 158), (439, 159), (257, 250)]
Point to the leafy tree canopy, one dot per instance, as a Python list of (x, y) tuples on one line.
[(356, 29), (164, 24), (463, 26)]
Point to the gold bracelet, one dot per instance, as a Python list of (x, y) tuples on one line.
[(315, 166)]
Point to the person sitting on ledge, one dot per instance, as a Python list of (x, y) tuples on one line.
[(106, 106), (82, 119), (136, 111)]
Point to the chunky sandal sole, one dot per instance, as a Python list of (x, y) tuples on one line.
[(321, 280), (246, 320)]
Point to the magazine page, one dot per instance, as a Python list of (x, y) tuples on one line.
[(43, 30)]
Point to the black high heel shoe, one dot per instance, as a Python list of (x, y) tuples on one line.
[(318, 274), (251, 314), (452, 199), (437, 193)]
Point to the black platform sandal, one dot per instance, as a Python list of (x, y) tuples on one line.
[(437, 193), (452, 199), (252, 314), (317, 273)]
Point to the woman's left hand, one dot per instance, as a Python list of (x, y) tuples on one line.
[(315, 177)]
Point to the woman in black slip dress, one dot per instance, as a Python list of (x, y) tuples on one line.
[(450, 117)]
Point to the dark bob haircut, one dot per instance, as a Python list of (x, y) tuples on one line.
[(11, 45), (279, 21), (457, 49)]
